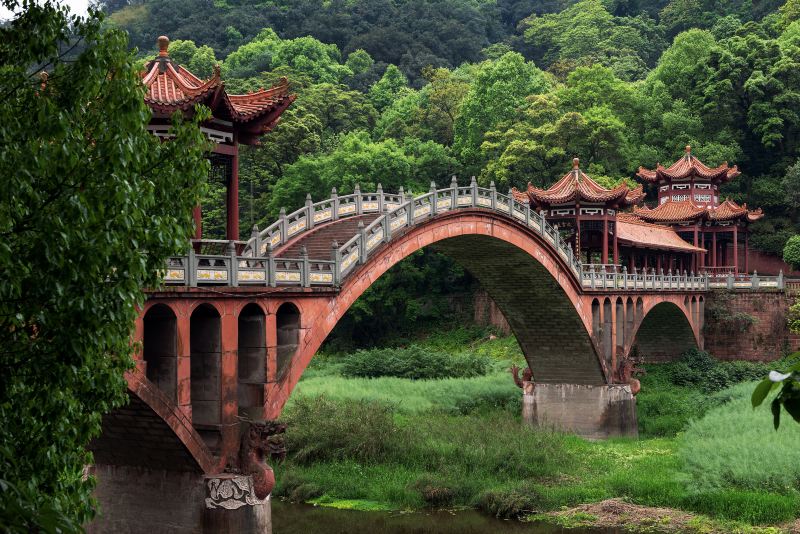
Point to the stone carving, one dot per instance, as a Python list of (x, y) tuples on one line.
[(526, 382), (262, 439), (231, 493), (627, 368)]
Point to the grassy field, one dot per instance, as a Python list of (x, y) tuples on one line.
[(394, 443)]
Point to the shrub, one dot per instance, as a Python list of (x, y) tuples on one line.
[(434, 492), (414, 362), (510, 504), (320, 429)]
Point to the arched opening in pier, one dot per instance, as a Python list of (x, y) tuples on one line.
[(252, 361), (206, 372), (160, 349)]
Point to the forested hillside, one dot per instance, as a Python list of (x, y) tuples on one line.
[(406, 92)]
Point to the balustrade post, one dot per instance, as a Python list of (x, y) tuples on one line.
[(334, 205), (387, 228), (337, 272), (255, 237), (542, 222), (271, 278), (624, 276), (283, 229), (754, 280), (528, 216), (474, 185), (305, 278), (362, 243), (433, 197), (454, 193), (309, 212), (359, 203), (511, 203), (409, 207), (706, 280), (780, 280), (730, 281), (233, 271), (691, 279), (191, 268), (591, 275), (493, 195), (380, 198)]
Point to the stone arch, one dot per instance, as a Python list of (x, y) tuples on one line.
[(160, 348), (205, 345), (251, 361), (151, 422), (608, 331), (639, 310), (619, 327), (287, 324), (629, 321), (532, 285), (701, 314), (665, 333), (597, 321)]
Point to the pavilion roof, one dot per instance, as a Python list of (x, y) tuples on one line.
[(688, 211), (171, 87), (634, 231), (688, 166), (576, 186)]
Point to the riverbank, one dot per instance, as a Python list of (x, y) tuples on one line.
[(390, 443)]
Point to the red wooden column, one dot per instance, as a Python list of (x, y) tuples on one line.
[(696, 255), (714, 249), (233, 194), (197, 215), (616, 247), (604, 259), (735, 249), (746, 253)]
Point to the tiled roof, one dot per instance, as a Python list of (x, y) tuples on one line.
[(171, 87), (671, 212), (686, 210), (576, 186), (632, 230), (687, 166)]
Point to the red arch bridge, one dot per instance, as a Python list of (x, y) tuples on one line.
[(228, 336)]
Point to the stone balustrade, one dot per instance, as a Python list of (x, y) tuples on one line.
[(395, 213)]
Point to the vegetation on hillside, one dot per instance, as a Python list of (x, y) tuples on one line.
[(409, 92)]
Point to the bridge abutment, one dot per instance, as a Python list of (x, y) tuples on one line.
[(594, 412), (135, 500)]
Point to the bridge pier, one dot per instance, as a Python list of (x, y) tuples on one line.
[(134, 500), (594, 412)]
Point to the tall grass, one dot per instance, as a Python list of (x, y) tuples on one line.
[(448, 395), (735, 446)]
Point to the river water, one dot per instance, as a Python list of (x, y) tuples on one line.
[(288, 518)]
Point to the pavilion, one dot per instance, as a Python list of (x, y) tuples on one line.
[(236, 119)]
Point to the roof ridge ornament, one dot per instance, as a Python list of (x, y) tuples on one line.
[(163, 46), (576, 168), (688, 151)]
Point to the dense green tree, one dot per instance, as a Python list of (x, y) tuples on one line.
[(199, 60), (495, 95), (388, 88), (85, 227)]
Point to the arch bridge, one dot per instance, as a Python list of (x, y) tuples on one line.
[(228, 336)]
